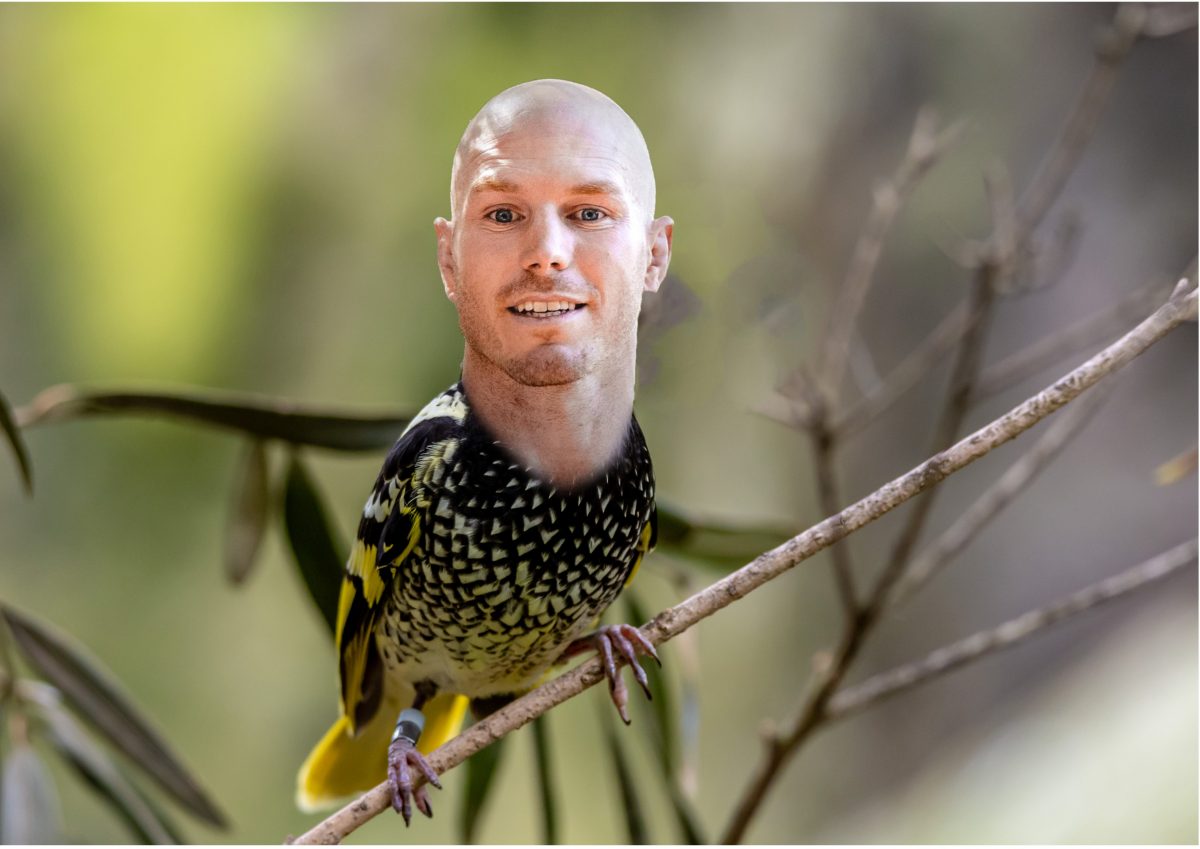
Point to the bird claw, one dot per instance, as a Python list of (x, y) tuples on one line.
[(629, 643), (402, 758)]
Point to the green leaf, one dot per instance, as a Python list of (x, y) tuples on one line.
[(94, 766), (481, 770), (99, 700), (9, 426), (541, 752), (267, 418), (662, 731), (248, 513), (721, 545), (631, 803), (29, 811), (318, 552)]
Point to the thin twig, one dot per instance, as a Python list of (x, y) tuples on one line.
[(1115, 42), (996, 261), (1117, 39), (1093, 330), (826, 680), (851, 700), (951, 542), (931, 351), (925, 147), (990, 278), (771, 564), (958, 404), (813, 400), (1166, 19), (829, 498)]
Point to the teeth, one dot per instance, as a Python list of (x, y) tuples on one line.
[(546, 306)]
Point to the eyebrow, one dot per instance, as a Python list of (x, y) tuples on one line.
[(491, 184), (598, 187)]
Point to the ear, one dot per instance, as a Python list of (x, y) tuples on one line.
[(445, 256), (661, 231)]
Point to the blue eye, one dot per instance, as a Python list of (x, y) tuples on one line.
[(590, 214), (502, 216)]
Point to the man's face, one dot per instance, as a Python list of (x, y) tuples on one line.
[(551, 246)]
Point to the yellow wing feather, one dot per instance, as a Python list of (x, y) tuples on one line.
[(343, 764)]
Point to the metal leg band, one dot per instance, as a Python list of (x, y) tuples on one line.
[(409, 726)]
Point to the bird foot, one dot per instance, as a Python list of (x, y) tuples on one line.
[(403, 759), (629, 643)]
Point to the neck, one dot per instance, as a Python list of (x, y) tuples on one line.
[(566, 434)]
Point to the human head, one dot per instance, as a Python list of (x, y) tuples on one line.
[(552, 201)]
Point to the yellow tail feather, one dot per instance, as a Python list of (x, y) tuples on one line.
[(341, 765)]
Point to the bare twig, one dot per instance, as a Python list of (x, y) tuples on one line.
[(814, 399), (1166, 19), (769, 565), (920, 362), (851, 700), (996, 261), (1046, 263), (820, 397), (990, 278), (1092, 330), (951, 542), (809, 411), (1115, 42), (958, 404), (829, 499), (826, 680), (1085, 333), (926, 145)]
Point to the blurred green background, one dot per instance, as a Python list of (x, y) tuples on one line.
[(242, 197)]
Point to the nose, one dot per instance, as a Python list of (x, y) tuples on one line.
[(549, 244)]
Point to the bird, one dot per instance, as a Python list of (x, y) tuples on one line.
[(469, 580)]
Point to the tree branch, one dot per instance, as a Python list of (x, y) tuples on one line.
[(852, 700), (931, 351), (995, 262), (820, 396), (1086, 332), (1182, 305), (829, 498), (951, 542), (925, 147), (1114, 44), (670, 623)]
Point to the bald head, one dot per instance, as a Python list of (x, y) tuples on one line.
[(589, 122)]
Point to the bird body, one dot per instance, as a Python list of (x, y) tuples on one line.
[(469, 577)]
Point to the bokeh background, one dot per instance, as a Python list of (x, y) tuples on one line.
[(242, 197)]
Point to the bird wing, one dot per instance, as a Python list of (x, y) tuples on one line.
[(646, 544), (387, 533)]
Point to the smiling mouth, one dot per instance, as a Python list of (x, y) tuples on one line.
[(545, 309)]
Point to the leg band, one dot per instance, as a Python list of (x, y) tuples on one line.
[(409, 726)]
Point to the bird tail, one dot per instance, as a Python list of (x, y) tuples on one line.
[(343, 764)]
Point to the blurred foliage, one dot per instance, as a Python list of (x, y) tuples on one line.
[(240, 196), (13, 436), (34, 709), (316, 552)]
